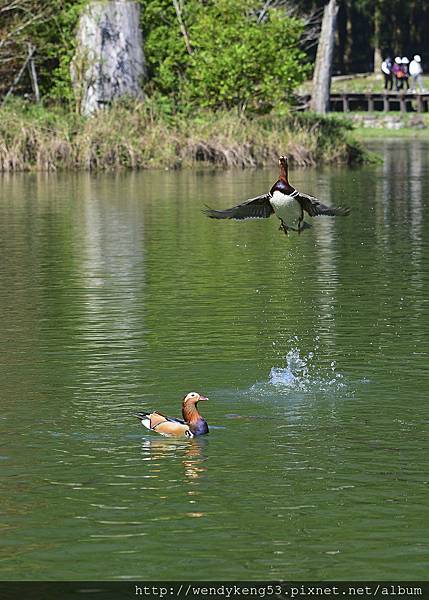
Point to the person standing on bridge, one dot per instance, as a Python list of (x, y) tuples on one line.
[(404, 67), (416, 72), (397, 71), (386, 68)]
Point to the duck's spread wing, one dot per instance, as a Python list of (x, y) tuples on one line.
[(254, 208), (315, 208)]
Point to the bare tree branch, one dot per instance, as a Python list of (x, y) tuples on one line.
[(33, 73), (18, 20), (264, 10), (312, 20), (178, 9), (20, 73), (19, 6)]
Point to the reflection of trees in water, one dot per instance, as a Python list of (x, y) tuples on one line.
[(416, 167), (326, 269), (111, 255), (108, 321), (417, 152), (399, 230), (400, 188), (402, 195)]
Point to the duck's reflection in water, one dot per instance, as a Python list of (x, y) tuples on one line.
[(189, 452), (194, 459)]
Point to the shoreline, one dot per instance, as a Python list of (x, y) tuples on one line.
[(137, 135), (407, 133)]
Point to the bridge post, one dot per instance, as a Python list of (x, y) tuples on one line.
[(386, 102)]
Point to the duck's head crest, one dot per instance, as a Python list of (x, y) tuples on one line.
[(193, 398)]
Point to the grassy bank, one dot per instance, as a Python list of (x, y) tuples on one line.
[(139, 136), (367, 133), (392, 124)]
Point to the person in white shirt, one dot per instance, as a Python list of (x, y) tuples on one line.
[(386, 68), (416, 73)]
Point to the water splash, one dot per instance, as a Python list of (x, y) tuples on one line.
[(302, 373)]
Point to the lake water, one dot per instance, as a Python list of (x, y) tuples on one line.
[(117, 294)]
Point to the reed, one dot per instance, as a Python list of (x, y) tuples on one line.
[(137, 135)]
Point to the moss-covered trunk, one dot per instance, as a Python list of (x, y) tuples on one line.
[(109, 60)]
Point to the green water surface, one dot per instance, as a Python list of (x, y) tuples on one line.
[(117, 294)]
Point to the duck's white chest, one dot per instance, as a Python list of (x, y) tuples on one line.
[(286, 207)]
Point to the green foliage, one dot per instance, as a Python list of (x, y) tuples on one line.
[(165, 51), (56, 42), (49, 27), (236, 61)]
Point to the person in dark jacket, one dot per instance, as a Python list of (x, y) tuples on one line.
[(404, 66), (397, 72)]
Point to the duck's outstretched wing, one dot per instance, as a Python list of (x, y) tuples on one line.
[(315, 208), (254, 208)]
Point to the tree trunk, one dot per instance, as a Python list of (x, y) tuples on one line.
[(33, 73), (342, 36), (377, 60), (323, 68), (109, 60), (377, 28)]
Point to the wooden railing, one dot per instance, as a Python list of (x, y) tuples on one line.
[(370, 101)]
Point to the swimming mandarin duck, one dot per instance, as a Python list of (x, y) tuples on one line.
[(284, 201), (192, 424)]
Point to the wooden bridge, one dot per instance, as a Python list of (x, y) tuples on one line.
[(376, 101)]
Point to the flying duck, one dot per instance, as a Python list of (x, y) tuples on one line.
[(284, 201), (192, 424)]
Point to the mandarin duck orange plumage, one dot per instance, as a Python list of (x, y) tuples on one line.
[(192, 424)]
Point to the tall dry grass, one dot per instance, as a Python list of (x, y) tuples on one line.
[(138, 136)]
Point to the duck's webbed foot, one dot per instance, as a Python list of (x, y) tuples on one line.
[(283, 227), (300, 222)]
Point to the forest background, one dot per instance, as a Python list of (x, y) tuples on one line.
[(221, 77)]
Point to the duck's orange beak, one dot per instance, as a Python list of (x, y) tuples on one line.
[(203, 398)]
